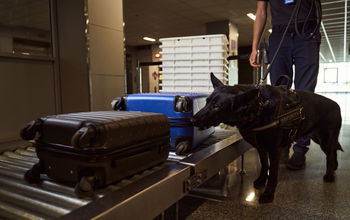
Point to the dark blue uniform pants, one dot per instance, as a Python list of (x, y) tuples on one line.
[(304, 54)]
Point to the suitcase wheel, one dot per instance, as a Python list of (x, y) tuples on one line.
[(182, 104), (83, 137), (28, 133), (179, 106), (33, 175), (85, 187), (182, 147)]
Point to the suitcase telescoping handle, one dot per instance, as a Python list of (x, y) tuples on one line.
[(83, 137), (28, 132)]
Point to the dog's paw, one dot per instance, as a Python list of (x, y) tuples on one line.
[(329, 178), (266, 198), (259, 183)]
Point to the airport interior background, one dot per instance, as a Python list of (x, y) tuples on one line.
[(62, 56)]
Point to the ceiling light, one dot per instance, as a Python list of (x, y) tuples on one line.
[(270, 30), (251, 16), (250, 197), (345, 27), (327, 39), (149, 39)]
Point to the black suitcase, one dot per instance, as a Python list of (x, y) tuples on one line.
[(94, 149)]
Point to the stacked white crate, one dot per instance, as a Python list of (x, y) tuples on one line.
[(188, 61)]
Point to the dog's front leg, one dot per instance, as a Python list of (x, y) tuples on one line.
[(261, 180), (269, 192)]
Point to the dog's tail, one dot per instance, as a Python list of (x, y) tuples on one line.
[(339, 147)]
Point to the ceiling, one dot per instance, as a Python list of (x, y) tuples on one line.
[(171, 18), (335, 28)]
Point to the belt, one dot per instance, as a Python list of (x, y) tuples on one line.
[(280, 28)]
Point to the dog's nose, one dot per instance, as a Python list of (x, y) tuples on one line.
[(193, 120)]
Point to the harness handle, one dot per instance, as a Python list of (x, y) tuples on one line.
[(280, 80)]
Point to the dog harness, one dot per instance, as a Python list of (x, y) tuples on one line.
[(289, 116)]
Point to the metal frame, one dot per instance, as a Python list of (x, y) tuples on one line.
[(142, 196), (55, 55), (144, 199), (150, 196)]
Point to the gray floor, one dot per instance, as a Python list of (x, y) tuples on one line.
[(299, 195)]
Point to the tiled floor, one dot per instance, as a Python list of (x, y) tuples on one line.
[(299, 195)]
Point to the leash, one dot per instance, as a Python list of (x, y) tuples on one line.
[(293, 115)]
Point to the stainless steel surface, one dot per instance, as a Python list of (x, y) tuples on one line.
[(21, 163), (214, 158), (174, 157), (46, 185), (11, 212), (20, 200), (15, 167), (143, 199), (33, 205), (15, 155), (150, 192), (20, 186), (26, 152)]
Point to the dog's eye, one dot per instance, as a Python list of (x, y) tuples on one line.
[(217, 107)]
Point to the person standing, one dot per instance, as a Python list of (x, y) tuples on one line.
[(295, 50)]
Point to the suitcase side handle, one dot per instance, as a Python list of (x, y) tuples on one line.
[(119, 104), (183, 104), (83, 137), (29, 132)]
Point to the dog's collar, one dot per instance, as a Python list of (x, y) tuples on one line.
[(262, 104)]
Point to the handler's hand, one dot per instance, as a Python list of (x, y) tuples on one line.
[(253, 59)]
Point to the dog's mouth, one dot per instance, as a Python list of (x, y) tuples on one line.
[(203, 128), (204, 124)]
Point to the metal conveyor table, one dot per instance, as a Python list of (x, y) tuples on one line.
[(143, 196)]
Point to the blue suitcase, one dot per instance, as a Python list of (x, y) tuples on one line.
[(178, 107)]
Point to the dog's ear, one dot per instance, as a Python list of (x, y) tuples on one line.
[(215, 81)]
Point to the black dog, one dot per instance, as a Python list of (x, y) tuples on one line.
[(271, 117)]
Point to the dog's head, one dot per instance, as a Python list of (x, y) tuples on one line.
[(225, 104)]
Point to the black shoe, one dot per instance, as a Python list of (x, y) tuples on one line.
[(284, 155), (297, 161)]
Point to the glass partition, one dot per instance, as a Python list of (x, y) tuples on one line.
[(25, 28)]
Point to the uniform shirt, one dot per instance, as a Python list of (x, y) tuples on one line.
[(281, 13)]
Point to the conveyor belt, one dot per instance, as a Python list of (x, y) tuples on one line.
[(150, 192)]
